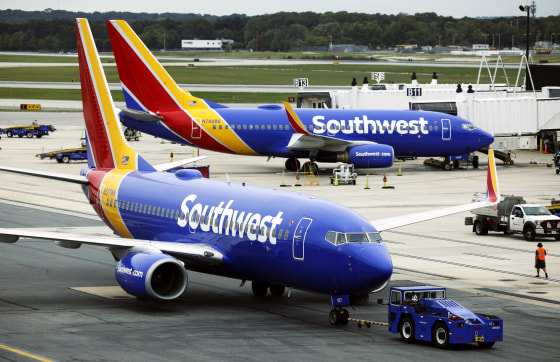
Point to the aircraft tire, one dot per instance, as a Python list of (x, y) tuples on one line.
[(259, 288), (277, 290), (292, 164)]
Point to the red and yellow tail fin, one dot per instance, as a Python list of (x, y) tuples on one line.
[(146, 84), (493, 188), (107, 147)]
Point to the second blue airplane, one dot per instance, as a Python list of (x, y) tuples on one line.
[(364, 137)]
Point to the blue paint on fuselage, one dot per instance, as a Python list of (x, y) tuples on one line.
[(351, 268), (267, 131)]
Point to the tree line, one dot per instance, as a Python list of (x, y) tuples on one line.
[(53, 30)]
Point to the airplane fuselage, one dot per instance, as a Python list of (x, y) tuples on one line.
[(271, 235), (266, 130)]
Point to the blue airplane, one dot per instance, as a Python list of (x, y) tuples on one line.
[(364, 137), (167, 223)]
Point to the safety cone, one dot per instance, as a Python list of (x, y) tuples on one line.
[(400, 164), (367, 182), (546, 148), (336, 179), (297, 179), (283, 184), (171, 155), (385, 182)]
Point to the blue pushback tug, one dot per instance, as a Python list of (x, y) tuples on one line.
[(424, 313)]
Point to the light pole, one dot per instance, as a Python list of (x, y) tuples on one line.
[(526, 8)]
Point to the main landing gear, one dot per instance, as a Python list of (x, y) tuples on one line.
[(293, 164), (260, 288)]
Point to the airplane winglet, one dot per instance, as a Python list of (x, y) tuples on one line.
[(295, 122), (493, 190)]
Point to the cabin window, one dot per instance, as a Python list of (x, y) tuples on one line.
[(274, 127), (108, 202), (135, 207), (244, 127), (214, 126), (286, 234), (251, 126), (268, 127)]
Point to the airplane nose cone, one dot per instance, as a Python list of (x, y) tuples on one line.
[(374, 266), (485, 138)]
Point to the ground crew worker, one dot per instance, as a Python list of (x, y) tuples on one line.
[(540, 263)]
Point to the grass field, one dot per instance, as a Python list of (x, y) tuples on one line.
[(318, 74)]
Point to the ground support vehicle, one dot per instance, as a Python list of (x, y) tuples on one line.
[(132, 134), (424, 313), (28, 131), (64, 156), (344, 175), (513, 215)]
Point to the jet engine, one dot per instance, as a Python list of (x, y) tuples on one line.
[(368, 156), (151, 276)]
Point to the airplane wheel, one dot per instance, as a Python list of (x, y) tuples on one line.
[(406, 329), (475, 162), (259, 288), (277, 290), (292, 164), (333, 317), (343, 317), (440, 335)]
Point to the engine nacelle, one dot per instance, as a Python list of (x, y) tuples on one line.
[(368, 156), (151, 276)]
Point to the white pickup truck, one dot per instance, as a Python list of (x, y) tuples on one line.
[(513, 215)]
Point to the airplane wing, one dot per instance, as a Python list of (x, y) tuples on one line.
[(189, 251), (303, 140), (492, 198), (79, 179)]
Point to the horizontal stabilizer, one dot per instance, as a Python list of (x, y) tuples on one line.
[(169, 165), (141, 116), (51, 175)]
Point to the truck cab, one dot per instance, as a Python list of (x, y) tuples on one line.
[(424, 313), (533, 220)]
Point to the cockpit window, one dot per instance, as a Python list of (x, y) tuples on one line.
[(337, 238), (468, 126)]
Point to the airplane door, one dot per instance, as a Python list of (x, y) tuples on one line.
[(196, 131), (446, 129), (299, 238)]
